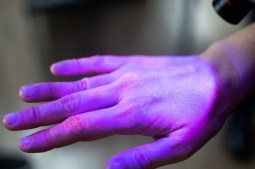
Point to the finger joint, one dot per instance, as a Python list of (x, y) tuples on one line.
[(70, 103), (141, 161), (46, 134), (35, 113), (75, 126), (81, 85)]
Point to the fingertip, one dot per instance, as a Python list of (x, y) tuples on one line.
[(4, 122), (53, 69), (27, 93), (60, 68), (22, 93), (30, 144), (10, 121), (25, 144)]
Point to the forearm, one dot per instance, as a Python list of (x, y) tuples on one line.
[(233, 61)]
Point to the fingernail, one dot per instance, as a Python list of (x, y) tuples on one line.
[(54, 68), (25, 142), (27, 92), (11, 119)]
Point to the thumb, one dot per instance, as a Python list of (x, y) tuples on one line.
[(161, 152)]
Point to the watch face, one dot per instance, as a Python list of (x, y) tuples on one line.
[(233, 11)]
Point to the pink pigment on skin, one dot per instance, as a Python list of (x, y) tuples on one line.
[(139, 101)]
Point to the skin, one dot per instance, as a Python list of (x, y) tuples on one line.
[(182, 101)]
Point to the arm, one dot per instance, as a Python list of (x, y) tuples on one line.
[(233, 61), (182, 102)]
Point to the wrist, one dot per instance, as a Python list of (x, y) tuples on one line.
[(226, 77)]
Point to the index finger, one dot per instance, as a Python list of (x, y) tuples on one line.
[(85, 66)]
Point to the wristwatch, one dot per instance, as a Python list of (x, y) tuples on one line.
[(233, 11)]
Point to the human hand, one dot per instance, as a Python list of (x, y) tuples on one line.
[(172, 99)]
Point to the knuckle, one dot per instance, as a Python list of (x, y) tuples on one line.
[(81, 85), (140, 160), (77, 63), (75, 126), (125, 115), (70, 103), (131, 76), (35, 113), (128, 80), (46, 134), (132, 123), (51, 88), (97, 60)]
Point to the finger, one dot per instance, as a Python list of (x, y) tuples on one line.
[(82, 127), (85, 66), (150, 156), (57, 111), (55, 90)]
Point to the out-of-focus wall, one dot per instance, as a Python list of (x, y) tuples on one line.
[(30, 42), (18, 61)]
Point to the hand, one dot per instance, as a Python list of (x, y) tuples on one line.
[(172, 99)]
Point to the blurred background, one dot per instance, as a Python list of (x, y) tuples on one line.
[(36, 33)]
